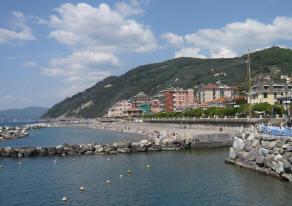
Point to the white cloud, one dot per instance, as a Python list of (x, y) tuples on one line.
[(236, 38), (102, 27), (173, 39), (128, 10), (20, 30), (82, 69), (29, 64), (189, 52)]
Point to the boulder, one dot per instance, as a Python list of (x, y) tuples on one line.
[(88, 153), (287, 167), (279, 168), (247, 146), (52, 151), (30, 152), (252, 155), (232, 153), (43, 152), (260, 161), (238, 144)]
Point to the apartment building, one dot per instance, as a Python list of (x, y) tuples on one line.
[(212, 92), (270, 92), (119, 109)]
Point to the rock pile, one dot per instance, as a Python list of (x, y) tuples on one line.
[(94, 149), (12, 132), (268, 154)]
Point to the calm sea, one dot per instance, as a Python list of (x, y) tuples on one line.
[(197, 177)]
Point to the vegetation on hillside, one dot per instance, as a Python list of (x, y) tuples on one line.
[(181, 72)]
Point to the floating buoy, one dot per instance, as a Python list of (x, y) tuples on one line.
[(108, 159), (1, 166), (19, 163), (108, 181), (148, 166), (73, 160), (121, 176), (81, 188), (64, 199), (129, 172), (55, 161)]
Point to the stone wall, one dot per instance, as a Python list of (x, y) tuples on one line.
[(267, 154)]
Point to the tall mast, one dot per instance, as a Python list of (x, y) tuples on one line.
[(249, 87)]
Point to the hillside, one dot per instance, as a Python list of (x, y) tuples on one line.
[(20, 115), (180, 72)]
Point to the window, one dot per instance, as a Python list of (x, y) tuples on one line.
[(275, 95), (221, 92), (265, 95)]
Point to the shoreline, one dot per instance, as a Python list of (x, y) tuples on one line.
[(154, 138)]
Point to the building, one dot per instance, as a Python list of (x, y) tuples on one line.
[(140, 98), (174, 99), (157, 103), (211, 92), (134, 112), (270, 92), (119, 109)]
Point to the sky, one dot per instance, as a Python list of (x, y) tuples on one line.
[(50, 50)]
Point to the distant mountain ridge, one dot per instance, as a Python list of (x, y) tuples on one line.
[(19, 115), (180, 72)]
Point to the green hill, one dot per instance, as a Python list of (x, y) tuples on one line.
[(20, 115), (180, 72)]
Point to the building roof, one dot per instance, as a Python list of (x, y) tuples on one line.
[(134, 109), (141, 95), (210, 86)]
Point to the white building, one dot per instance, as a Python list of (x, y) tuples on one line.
[(119, 109)]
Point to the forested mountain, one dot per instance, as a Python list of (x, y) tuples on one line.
[(180, 72)]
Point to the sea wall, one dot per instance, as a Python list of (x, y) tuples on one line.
[(145, 145), (227, 124), (271, 155)]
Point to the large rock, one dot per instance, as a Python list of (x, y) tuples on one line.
[(232, 153), (287, 167), (30, 152), (280, 168), (238, 145), (252, 155), (43, 152), (52, 151), (260, 161), (247, 146)]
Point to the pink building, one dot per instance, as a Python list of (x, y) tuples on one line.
[(183, 98), (173, 99)]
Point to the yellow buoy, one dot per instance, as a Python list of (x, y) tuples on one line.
[(19, 163), (73, 160), (1, 166), (129, 172), (108, 181), (55, 161), (121, 176), (148, 166), (64, 199), (81, 188)]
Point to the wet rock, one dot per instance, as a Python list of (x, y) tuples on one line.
[(52, 151), (279, 168), (252, 155), (287, 167), (30, 152), (260, 161)]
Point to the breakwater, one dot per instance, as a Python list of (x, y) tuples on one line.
[(145, 145), (271, 155), (7, 132)]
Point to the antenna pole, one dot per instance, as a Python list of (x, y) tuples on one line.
[(249, 87)]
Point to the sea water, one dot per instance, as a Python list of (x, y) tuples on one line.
[(191, 177)]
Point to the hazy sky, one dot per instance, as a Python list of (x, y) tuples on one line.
[(50, 50)]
